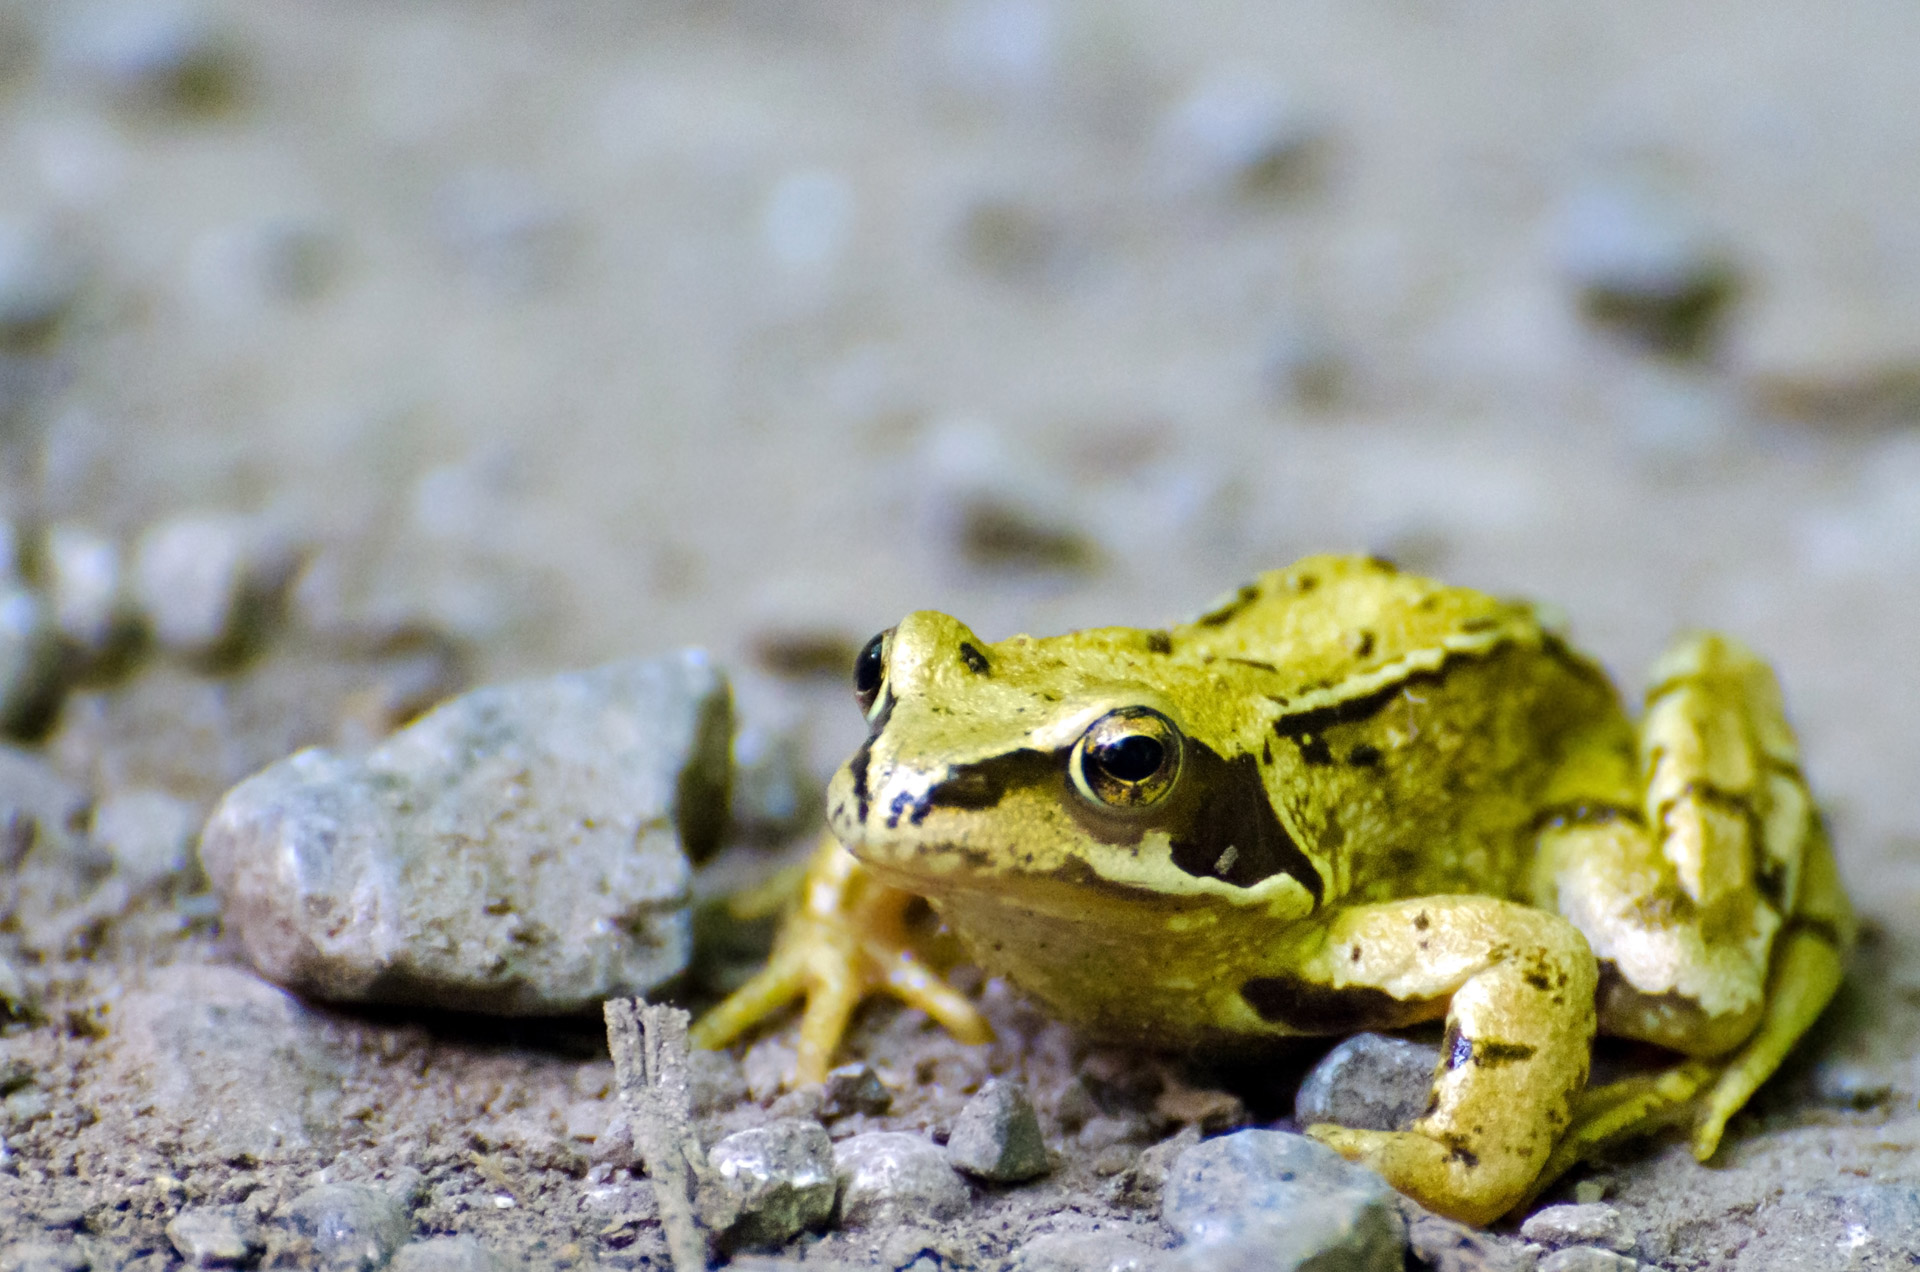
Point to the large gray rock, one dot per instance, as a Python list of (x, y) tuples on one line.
[(1276, 1202), (1370, 1082), (997, 1137), (890, 1177), (235, 1066), (770, 1183), (522, 849)]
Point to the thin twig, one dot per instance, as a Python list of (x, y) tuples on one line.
[(649, 1046)]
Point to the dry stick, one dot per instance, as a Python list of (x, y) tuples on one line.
[(649, 1045)]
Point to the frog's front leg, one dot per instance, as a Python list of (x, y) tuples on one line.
[(1516, 985), (847, 938)]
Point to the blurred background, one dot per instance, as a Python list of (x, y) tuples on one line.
[(589, 329)]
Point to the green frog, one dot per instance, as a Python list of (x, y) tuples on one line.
[(1344, 798)]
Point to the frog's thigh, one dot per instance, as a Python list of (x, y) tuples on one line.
[(1518, 983), (1683, 901)]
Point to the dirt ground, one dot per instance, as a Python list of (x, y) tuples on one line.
[(575, 331)]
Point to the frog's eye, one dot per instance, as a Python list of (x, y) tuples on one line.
[(870, 671), (1128, 759)]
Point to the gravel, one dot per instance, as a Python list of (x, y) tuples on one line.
[(853, 1089), (86, 581), (770, 1183), (1087, 1252), (997, 1136), (1588, 1259), (521, 850), (1371, 1082), (447, 1254), (890, 1177), (148, 834)]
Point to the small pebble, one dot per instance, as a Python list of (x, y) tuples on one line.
[(1284, 1198), (206, 581), (801, 1102), (148, 833), (889, 1177), (1594, 1224), (37, 807), (770, 1183), (854, 1088), (353, 1222), (1441, 1245), (1848, 1084), (1086, 1252), (716, 1081), (86, 584), (997, 1136), (1369, 1082), (1588, 1259), (447, 1254), (214, 1236)]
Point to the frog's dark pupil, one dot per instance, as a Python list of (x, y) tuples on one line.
[(868, 668), (1131, 759)]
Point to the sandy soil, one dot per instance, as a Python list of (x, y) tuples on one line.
[(583, 330)]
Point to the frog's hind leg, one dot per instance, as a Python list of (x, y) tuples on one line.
[(1713, 907)]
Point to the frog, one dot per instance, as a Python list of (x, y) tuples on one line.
[(1344, 798)]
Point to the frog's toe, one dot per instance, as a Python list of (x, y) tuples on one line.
[(1445, 1178)]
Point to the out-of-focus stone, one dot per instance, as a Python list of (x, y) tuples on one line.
[(39, 280), (1849, 1084), (352, 1223), (1369, 1082), (38, 807), (43, 1256), (169, 55), (890, 1177), (715, 1080), (236, 1067), (1643, 267), (508, 235), (29, 662), (773, 794), (1273, 1200), (206, 582), (854, 1088), (997, 1136), (516, 851), (214, 1236), (996, 508), (148, 834), (770, 1183), (1594, 1224), (1086, 1252), (86, 582), (1239, 136), (447, 1254)]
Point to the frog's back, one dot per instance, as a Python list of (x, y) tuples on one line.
[(1418, 734)]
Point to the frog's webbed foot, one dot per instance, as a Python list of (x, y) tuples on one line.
[(847, 939), (1516, 985)]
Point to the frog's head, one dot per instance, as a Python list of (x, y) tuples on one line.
[(1045, 771)]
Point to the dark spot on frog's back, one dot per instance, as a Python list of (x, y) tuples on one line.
[(1159, 643), (975, 660), (1300, 1005), (1314, 749), (1228, 807)]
